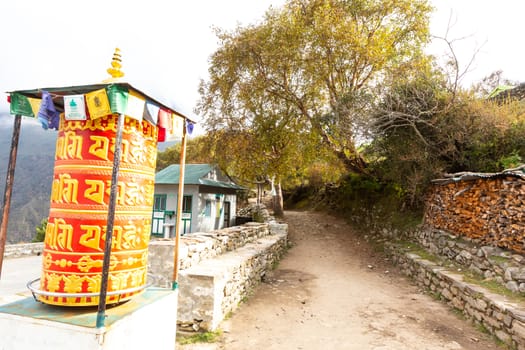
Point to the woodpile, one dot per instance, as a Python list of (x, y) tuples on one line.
[(489, 208)]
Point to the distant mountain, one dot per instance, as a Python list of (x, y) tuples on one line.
[(33, 175)]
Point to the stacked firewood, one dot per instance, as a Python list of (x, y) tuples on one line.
[(490, 209)]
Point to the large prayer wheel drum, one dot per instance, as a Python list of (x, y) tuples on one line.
[(76, 231)]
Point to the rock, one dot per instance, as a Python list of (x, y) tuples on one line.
[(487, 250), (518, 258), (520, 275), (512, 286), (510, 272)]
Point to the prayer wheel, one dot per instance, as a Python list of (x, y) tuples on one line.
[(76, 231)]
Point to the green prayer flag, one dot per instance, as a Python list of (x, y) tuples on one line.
[(118, 98), (20, 105)]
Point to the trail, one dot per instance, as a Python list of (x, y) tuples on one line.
[(333, 291)]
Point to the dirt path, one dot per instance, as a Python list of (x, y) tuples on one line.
[(332, 291)]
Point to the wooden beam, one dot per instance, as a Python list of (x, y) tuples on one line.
[(9, 179), (110, 221), (178, 218)]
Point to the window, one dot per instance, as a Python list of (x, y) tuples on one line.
[(207, 208), (186, 204), (159, 202)]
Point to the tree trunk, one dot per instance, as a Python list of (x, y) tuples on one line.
[(350, 158), (277, 196)]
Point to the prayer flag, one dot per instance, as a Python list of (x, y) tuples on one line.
[(151, 112), (20, 105), (48, 116), (118, 98), (98, 104), (161, 136), (74, 107), (35, 105), (175, 131), (135, 106), (164, 119), (189, 127)]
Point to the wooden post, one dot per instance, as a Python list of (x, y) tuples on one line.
[(178, 218), (9, 179), (110, 221)]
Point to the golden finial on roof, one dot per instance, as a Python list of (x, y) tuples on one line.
[(114, 70)]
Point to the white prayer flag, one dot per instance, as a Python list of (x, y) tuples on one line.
[(135, 107), (74, 107)]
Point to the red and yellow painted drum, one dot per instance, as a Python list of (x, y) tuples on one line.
[(76, 231)]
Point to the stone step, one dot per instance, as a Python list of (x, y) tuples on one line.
[(214, 287)]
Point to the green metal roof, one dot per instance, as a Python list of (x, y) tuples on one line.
[(498, 90), (193, 175)]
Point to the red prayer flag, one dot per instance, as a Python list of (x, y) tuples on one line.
[(161, 135)]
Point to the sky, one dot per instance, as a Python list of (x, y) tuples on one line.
[(166, 44)]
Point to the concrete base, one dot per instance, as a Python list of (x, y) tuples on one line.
[(148, 321)]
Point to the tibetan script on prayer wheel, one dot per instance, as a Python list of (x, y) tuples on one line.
[(77, 223)]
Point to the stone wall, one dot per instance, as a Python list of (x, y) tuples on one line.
[(487, 207), (23, 249), (501, 317), (489, 262), (198, 246), (218, 269), (214, 288)]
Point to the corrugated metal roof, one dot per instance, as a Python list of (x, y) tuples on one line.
[(84, 89), (193, 175)]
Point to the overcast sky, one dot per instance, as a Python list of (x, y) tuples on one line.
[(165, 44)]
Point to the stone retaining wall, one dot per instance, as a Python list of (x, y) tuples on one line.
[(503, 266), (502, 318), (214, 288), (199, 246), (23, 249), (218, 269)]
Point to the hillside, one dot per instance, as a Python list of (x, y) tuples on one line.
[(33, 176)]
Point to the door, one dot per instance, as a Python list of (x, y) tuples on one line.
[(227, 206), (186, 214), (159, 208)]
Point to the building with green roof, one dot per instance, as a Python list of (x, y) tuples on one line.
[(209, 202)]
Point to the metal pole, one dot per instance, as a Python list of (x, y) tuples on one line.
[(175, 279), (9, 179), (111, 218)]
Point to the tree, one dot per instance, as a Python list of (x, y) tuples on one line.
[(308, 66), (198, 150), (425, 126), (40, 231)]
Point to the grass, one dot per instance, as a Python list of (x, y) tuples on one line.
[(414, 248), (468, 275), (492, 285), (206, 337), (499, 259)]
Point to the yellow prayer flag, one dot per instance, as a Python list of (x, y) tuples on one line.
[(178, 125), (98, 103), (175, 132), (135, 106), (35, 105)]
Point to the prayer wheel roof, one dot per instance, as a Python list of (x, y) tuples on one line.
[(85, 89)]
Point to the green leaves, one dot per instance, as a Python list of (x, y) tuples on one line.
[(305, 69)]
